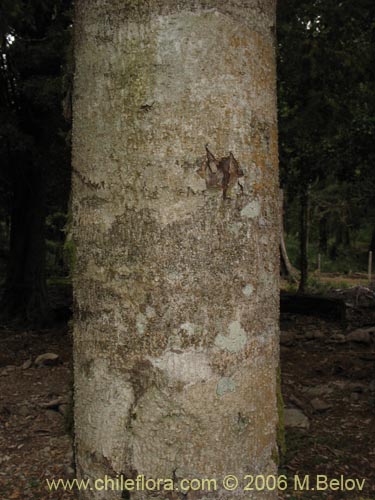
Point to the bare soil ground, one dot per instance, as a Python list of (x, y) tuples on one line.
[(35, 443), (317, 365)]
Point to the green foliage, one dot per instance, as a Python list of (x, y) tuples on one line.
[(326, 94), (315, 286), (327, 120), (346, 260)]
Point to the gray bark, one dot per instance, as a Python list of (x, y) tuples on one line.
[(176, 280)]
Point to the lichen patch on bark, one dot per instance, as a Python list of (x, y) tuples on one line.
[(234, 340), (248, 290), (188, 367), (225, 384), (251, 210)]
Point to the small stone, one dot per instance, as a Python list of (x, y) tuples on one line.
[(354, 396), (27, 364), (318, 390), (10, 368), (337, 338), (294, 418), (53, 404), (47, 359), (320, 405), (362, 335)]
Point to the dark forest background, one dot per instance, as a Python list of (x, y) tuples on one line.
[(326, 102)]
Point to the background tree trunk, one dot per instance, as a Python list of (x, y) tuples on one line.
[(287, 268), (372, 242), (176, 285), (323, 234), (303, 238)]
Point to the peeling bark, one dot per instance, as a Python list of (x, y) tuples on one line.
[(176, 280)]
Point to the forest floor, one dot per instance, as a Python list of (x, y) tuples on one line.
[(35, 443), (331, 381), (328, 379)]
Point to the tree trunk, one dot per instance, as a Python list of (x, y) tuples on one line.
[(176, 277), (372, 242), (303, 236), (287, 268), (346, 236), (323, 235), (25, 296)]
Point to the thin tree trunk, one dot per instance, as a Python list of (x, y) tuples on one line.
[(323, 235), (286, 266), (346, 236), (342, 235), (176, 280), (372, 242), (303, 235)]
